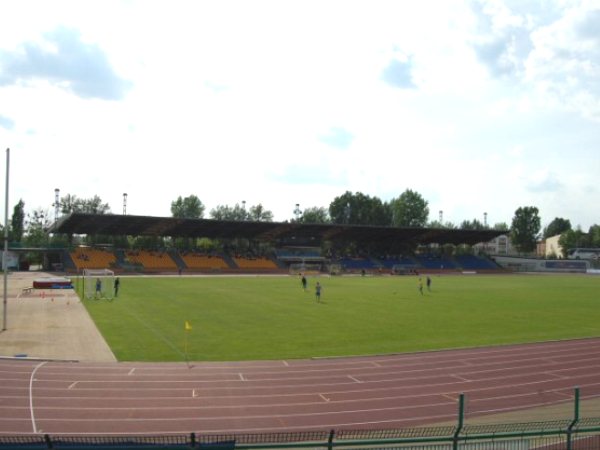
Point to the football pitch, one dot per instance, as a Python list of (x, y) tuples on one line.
[(253, 318)]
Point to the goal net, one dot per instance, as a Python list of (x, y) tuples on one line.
[(306, 268), (98, 283)]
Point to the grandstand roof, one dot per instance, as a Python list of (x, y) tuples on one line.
[(113, 224)]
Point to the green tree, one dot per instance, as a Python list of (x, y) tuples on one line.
[(225, 212), (573, 239), (594, 236), (359, 209), (36, 225), (472, 225), (437, 224), (72, 204), (410, 209), (17, 222), (314, 214), (68, 204), (525, 228), (501, 226), (557, 226), (187, 208), (258, 213)]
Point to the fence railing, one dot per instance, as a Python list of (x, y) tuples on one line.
[(566, 434)]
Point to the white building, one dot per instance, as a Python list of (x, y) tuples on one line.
[(500, 245), (553, 248)]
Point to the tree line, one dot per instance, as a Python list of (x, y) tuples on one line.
[(409, 209)]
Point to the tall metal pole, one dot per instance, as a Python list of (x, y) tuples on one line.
[(5, 255), (56, 204)]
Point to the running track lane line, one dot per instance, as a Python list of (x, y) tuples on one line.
[(31, 378)]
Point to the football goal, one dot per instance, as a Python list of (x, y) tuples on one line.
[(306, 268), (98, 283)]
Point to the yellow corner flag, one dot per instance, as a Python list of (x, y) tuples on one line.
[(187, 326)]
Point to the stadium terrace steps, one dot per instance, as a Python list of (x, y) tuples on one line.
[(261, 263), (176, 261), (199, 261), (472, 262), (179, 262), (92, 258), (435, 262), (68, 262), (152, 260)]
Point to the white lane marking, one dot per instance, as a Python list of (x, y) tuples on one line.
[(241, 377), (354, 379), (31, 380), (461, 378), (324, 398), (131, 371), (285, 363), (72, 385)]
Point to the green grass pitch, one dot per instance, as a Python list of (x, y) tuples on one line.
[(245, 318)]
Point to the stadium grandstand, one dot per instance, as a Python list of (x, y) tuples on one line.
[(268, 247)]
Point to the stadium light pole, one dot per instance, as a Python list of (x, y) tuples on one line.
[(297, 211), (56, 204), (5, 255), (124, 203)]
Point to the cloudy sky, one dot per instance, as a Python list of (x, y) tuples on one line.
[(478, 106)]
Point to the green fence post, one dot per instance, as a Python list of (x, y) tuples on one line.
[(575, 420), (330, 440), (576, 412), (461, 420)]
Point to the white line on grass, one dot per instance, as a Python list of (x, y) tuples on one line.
[(156, 333)]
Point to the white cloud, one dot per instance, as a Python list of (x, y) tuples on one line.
[(64, 60), (544, 181), (564, 61), (283, 102)]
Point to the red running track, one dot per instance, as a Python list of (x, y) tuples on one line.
[(391, 391)]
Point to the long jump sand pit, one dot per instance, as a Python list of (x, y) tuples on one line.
[(49, 323)]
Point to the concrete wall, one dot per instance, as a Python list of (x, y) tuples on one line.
[(541, 265)]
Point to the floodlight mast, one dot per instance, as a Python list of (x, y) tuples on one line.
[(56, 204)]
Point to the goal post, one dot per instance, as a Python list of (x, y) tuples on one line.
[(98, 283), (305, 268)]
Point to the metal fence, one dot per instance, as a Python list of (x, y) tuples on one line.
[(567, 434), (523, 436)]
